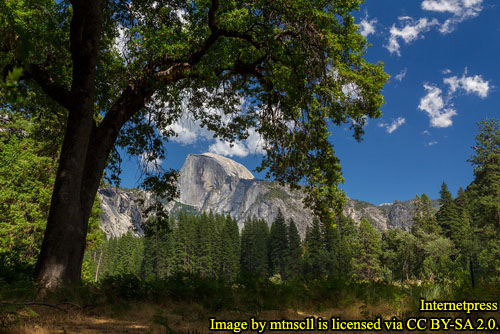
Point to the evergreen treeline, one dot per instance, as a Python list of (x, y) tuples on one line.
[(458, 243), (207, 245)]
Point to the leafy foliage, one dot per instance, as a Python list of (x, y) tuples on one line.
[(366, 262), (27, 172), (299, 65)]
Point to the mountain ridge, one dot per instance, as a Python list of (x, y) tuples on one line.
[(210, 182)]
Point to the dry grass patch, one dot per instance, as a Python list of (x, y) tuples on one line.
[(169, 318)]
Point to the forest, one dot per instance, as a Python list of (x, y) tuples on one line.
[(457, 244), (85, 84), (451, 253)]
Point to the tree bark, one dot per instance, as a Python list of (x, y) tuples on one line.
[(98, 266), (61, 255)]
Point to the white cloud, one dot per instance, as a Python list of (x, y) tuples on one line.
[(255, 143), (440, 110), (181, 14), (400, 76), (227, 149), (411, 31), (149, 163), (351, 90), (396, 123), (452, 6), (120, 42), (461, 9), (446, 71), (432, 143), (367, 27), (436, 108), (188, 130), (425, 132), (471, 85)]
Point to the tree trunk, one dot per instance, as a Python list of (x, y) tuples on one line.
[(86, 146), (63, 245), (98, 267), (471, 268)]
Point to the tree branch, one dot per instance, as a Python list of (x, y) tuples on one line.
[(136, 93), (240, 35), (48, 85), (134, 97)]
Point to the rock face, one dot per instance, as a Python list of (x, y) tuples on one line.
[(358, 210), (400, 215), (121, 211), (209, 182)]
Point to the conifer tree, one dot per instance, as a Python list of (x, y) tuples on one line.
[(424, 219), (331, 239), (254, 248), (186, 237), (278, 246), (447, 215), (231, 249), (463, 234), (294, 267), (342, 246), (366, 263), (206, 246), (315, 255), (156, 238), (123, 255), (483, 196)]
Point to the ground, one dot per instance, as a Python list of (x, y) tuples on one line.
[(155, 319)]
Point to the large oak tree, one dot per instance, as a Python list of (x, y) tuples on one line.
[(122, 71)]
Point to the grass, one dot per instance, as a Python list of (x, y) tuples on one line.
[(184, 304)]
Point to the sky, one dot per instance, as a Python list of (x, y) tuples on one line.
[(443, 59)]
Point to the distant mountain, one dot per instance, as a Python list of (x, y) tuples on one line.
[(121, 211), (210, 182)]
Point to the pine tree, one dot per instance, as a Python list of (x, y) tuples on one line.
[(186, 240), (254, 251), (156, 238), (463, 234), (331, 239), (366, 263), (231, 249), (315, 255), (294, 267), (423, 218), (206, 245), (278, 246), (342, 247), (483, 197), (447, 215)]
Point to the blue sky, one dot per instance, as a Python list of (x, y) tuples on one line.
[(443, 58)]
